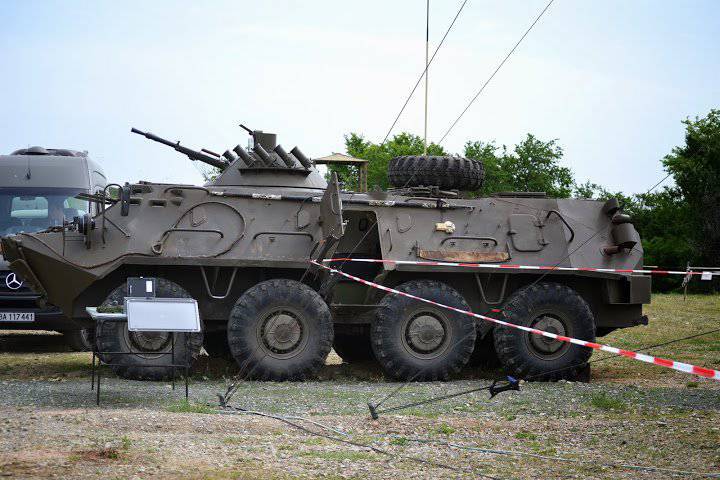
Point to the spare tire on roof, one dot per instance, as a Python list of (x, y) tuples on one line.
[(442, 171)]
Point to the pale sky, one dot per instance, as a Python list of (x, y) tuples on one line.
[(611, 80)]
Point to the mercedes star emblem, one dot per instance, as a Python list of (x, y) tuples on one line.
[(12, 281)]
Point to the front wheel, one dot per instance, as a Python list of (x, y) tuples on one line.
[(145, 355), (280, 330), (414, 340), (553, 308)]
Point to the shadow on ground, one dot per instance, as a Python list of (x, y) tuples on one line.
[(35, 341)]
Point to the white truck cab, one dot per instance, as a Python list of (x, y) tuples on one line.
[(37, 191)]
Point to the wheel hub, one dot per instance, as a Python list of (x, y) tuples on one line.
[(425, 333), (282, 332), (149, 341), (546, 345)]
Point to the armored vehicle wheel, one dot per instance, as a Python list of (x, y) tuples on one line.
[(280, 330), (445, 172), (80, 340), (354, 348), (415, 340), (553, 308), (115, 337)]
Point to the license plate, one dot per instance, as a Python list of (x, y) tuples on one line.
[(17, 317)]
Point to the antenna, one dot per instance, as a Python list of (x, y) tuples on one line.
[(427, 65)]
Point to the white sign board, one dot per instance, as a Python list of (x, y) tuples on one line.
[(706, 276), (162, 314)]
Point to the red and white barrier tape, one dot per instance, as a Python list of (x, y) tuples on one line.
[(679, 366), (426, 263)]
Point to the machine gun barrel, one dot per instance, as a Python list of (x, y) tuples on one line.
[(189, 152)]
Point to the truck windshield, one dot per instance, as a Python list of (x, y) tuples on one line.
[(31, 209)]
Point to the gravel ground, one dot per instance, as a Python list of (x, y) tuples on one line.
[(51, 428)]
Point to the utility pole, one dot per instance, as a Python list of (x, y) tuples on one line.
[(427, 49)]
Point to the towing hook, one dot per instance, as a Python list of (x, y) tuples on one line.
[(503, 385)]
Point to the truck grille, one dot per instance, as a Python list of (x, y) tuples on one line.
[(12, 284)]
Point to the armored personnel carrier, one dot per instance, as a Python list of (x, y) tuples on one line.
[(242, 245)]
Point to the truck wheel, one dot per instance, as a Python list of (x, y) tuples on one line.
[(80, 340), (280, 330), (553, 308), (442, 171), (151, 346), (415, 340), (354, 348)]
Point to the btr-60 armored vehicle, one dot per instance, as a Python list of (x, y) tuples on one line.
[(242, 245)]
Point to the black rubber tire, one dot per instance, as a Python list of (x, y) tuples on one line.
[(389, 333), (549, 300), (216, 345), (80, 340), (354, 348), (263, 303), (442, 171), (114, 337)]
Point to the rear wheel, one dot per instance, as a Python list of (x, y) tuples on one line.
[(280, 330), (150, 362), (419, 341), (553, 308)]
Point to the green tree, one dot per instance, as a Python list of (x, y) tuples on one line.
[(660, 219), (496, 179), (379, 156), (695, 167), (532, 166)]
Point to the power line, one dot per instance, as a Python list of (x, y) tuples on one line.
[(658, 183), (338, 437), (625, 466), (496, 70), (407, 100)]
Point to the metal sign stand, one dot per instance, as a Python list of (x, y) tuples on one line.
[(143, 312), (95, 372)]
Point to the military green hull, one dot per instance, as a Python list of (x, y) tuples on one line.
[(255, 224)]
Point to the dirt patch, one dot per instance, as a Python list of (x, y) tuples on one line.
[(629, 414)]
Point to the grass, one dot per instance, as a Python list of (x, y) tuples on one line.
[(444, 429), (670, 318), (189, 407), (44, 365), (399, 441), (339, 455), (603, 401)]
